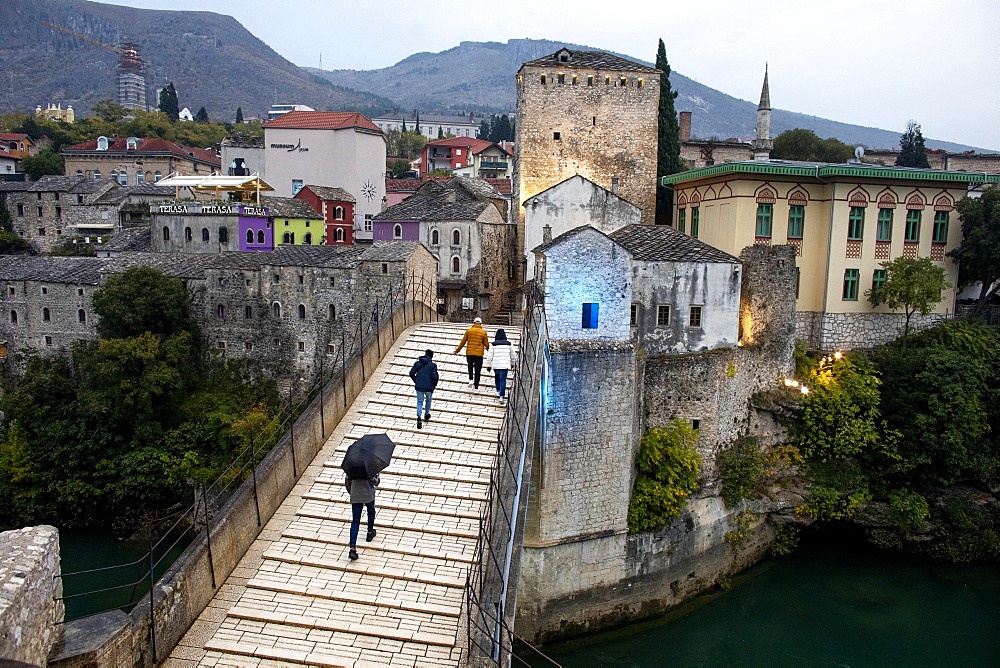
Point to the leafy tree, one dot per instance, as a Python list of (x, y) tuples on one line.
[(979, 254), (202, 115), (912, 152), (912, 284), (169, 103), (398, 167), (496, 129), (42, 163), (802, 144), (405, 145), (668, 465), (668, 152), (110, 111), (239, 115), (140, 300)]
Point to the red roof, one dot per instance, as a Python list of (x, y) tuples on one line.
[(151, 145), (474, 144), (503, 186), (322, 120), (11, 136)]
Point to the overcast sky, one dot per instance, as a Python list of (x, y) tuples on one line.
[(877, 63)]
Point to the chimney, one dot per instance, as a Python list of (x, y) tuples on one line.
[(546, 234), (614, 185), (685, 122)]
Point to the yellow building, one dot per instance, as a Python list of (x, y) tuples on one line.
[(296, 223), (843, 220)]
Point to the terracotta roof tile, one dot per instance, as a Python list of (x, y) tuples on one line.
[(150, 145), (322, 120)]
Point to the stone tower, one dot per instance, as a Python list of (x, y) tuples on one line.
[(588, 113), (762, 143)]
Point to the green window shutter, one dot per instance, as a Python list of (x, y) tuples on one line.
[(940, 227), (796, 220), (764, 220), (878, 278), (912, 225), (851, 285), (694, 222), (681, 216), (856, 223), (884, 229)]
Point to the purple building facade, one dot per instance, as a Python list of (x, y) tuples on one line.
[(256, 230), (396, 230)]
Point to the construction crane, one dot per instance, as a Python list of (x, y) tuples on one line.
[(131, 68)]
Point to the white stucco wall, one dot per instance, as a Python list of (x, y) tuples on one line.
[(570, 204)]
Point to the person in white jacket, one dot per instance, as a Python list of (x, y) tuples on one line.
[(500, 359)]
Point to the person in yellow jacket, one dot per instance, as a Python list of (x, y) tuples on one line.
[(476, 342)]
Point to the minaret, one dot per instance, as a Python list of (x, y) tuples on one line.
[(762, 144)]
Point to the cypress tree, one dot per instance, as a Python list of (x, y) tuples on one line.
[(202, 115), (912, 152), (668, 155), (168, 102), (239, 114)]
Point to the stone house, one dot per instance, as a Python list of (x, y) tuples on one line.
[(296, 221), (336, 206), (328, 148), (569, 204), (462, 224), (134, 160), (284, 310), (588, 113), (843, 220), (242, 155), (40, 213)]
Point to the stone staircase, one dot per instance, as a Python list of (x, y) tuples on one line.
[(296, 598)]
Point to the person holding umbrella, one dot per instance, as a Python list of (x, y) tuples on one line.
[(363, 461)]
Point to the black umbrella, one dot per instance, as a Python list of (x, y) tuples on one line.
[(367, 456)]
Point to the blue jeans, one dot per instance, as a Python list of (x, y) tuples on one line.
[(424, 398), (501, 381), (356, 521)]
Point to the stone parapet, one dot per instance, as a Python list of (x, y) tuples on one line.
[(30, 593)]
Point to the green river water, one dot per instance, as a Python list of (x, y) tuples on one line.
[(824, 605)]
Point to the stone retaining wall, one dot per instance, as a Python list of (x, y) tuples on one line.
[(30, 589)]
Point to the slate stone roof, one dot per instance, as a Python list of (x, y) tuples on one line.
[(390, 251), (541, 248), (659, 243), (178, 265), (133, 239), (334, 194), (289, 207), (244, 141), (459, 199), (334, 257), (72, 270), (14, 186), (66, 184), (593, 60)]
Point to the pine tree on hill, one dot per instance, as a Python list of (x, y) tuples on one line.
[(239, 114), (912, 152), (202, 115), (168, 102), (668, 156)]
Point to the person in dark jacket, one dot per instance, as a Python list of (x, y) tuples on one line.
[(362, 493), (425, 378)]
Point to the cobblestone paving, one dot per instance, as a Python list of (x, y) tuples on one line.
[(296, 598)]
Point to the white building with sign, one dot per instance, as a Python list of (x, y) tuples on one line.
[(328, 148)]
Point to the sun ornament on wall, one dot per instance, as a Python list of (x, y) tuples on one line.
[(368, 190)]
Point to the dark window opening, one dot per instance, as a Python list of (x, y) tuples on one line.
[(590, 315)]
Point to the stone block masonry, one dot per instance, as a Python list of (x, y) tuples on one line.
[(30, 613)]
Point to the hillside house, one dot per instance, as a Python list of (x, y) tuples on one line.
[(134, 160)]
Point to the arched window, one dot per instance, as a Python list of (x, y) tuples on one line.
[(166, 233), (288, 238), (435, 238), (221, 310), (397, 231), (302, 311), (456, 238), (157, 175), (247, 312), (307, 239), (13, 317), (276, 310), (333, 312), (456, 265), (79, 172), (223, 235), (97, 175), (114, 174), (81, 315), (260, 236), (204, 234), (187, 234), (338, 213), (249, 236), (46, 316), (123, 178), (102, 143), (339, 234)]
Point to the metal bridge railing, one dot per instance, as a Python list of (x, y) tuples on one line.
[(490, 593)]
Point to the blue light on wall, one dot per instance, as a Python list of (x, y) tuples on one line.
[(590, 312)]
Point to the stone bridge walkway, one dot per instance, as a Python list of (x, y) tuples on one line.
[(296, 598)]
